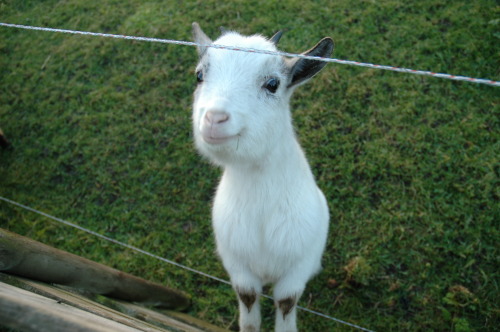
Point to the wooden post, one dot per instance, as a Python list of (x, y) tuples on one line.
[(4, 143), (31, 259)]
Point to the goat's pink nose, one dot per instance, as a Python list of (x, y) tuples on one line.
[(216, 117)]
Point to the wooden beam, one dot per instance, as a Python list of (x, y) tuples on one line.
[(20, 309), (31, 259), (125, 313), (167, 318)]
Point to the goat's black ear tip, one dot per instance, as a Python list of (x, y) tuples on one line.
[(328, 43), (327, 40)]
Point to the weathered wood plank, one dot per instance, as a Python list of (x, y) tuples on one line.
[(31, 259), (62, 296), (20, 309), (125, 313), (167, 318)]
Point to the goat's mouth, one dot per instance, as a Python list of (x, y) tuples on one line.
[(217, 140)]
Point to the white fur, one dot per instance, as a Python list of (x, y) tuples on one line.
[(269, 217)]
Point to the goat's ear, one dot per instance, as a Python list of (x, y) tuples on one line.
[(302, 70), (201, 38)]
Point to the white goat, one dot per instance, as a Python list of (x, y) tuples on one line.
[(269, 217)]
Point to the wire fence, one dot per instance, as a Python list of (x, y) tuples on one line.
[(252, 50), (489, 82), (147, 253)]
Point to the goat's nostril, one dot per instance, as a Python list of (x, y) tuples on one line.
[(216, 117)]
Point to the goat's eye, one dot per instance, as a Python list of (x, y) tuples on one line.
[(272, 85), (199, 76)]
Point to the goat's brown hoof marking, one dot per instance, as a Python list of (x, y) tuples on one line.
[(248, 298), (286, 305)]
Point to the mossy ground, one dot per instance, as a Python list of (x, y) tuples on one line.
[(101, 136)]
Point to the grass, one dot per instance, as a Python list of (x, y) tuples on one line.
[(102, 137)]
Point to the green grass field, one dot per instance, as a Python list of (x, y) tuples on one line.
[(101, 136)]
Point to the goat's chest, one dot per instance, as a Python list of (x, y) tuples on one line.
[(262, 226)]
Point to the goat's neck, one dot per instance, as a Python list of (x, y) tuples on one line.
[(284, 160)]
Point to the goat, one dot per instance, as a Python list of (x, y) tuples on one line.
[(269, 217)]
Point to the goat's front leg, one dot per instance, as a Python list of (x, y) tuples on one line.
[(249, 308), (286, 314), (287, 293), (248, 287)]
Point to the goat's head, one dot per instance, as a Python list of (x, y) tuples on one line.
[(241, 104)]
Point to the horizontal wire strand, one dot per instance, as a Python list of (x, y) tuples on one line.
[(252, 50), (147, 253), (104, 237)]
